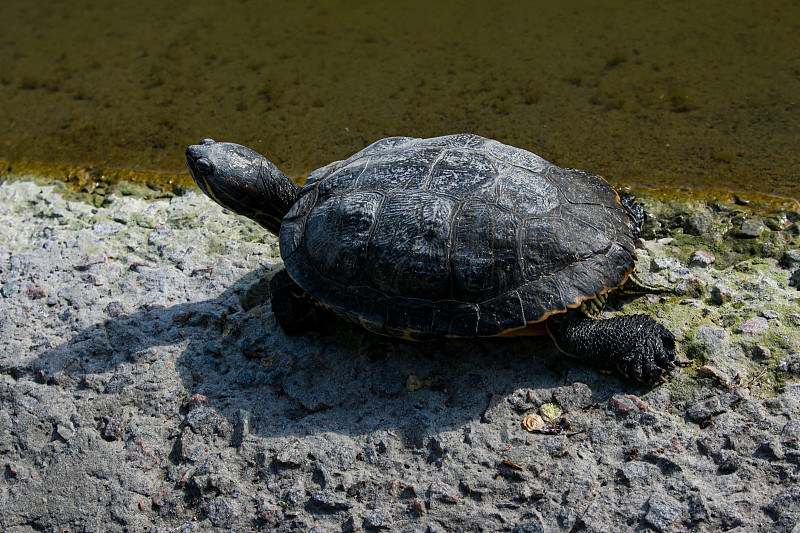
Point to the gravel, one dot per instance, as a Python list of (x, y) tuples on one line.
[(144, 386)]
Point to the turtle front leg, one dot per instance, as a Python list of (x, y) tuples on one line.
[(294, 309), (635, 345)]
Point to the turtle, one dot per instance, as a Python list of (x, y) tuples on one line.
[(448, 237)]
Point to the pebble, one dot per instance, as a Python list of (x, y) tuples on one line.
[(625, 403), (701, 410), (242, 428), (439, 490), (10, 289), (331, 501), (662, 263), (702, 258), (223, 512), (713, 372), (207, 421), (114, 309), (534, 525), (699, 224), (730, 461), (762, 352), (715, 340), (115, 425), (65, 431), (698, 508), (753, 326), (633, 470), (382, 520), (662, 510), (752, 228), (721, 294), (690, 286), (790, 365), (790, 258), (292, 455)]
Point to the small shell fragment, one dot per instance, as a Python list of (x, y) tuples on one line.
[(532, 422), (550, 411), (413, 382)]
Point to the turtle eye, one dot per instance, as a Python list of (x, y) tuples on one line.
[(204, 165), (207, 141)]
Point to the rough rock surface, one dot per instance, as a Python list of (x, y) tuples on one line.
[(144, 386)]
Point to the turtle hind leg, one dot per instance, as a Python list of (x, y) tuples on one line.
[(294, 309), (635, 345)]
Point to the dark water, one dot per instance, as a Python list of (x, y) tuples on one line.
[(682, 94)]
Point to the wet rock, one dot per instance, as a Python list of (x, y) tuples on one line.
[(662, 510), (751, 229), (699, 224), (790, 258), (753, 326)]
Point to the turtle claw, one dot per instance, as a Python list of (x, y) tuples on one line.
[(650, 351), (636, 345)]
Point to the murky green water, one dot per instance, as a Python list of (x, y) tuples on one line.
[(687, 94)]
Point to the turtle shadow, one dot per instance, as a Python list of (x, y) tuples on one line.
[(229, 353)]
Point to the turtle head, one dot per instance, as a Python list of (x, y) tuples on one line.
[(243, 181)]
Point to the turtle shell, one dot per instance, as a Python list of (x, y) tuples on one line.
[(455, 236)]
